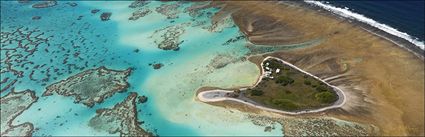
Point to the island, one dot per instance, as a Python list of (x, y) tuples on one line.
[(91, 86), (282, 88)]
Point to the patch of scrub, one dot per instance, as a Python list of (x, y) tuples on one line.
[(91, 86), (122, 119), (12, 105)]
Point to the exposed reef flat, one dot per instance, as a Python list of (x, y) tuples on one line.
[(314, 126), (122, 119), (91, 86), (378, 76), (12, 105), (325, 127)]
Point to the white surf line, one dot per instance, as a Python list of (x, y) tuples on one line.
[(359, 17), (220, 95)]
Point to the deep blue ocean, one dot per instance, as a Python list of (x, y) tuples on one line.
[(405, 16)]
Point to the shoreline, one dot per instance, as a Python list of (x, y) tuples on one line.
[(399, 41), (200, 95)]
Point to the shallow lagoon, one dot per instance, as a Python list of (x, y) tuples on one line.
[(171, 108)]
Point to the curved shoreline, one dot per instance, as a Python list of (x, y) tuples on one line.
[(381, 30), (217, 95), (367, 20)]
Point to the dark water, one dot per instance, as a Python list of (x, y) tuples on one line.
[(405, 16)]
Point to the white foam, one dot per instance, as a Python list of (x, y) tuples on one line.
[(345, 12)]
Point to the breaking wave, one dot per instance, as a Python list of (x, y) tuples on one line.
[(345, 12)]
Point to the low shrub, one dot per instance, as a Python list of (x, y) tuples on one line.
[(256, 92), (285, 103), (307, 82), (321, 88), (326, 97), (284, 80)]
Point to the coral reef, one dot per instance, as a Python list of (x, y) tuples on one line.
[(105, 16), (12, 105), (91, 86), (122, 119), (45, 4), (139, 13), (168, 37), (169, 10)]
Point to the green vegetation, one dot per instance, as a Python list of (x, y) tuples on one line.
[(290, 89), (285, 103), (284, 80), (321, 88), (256, 92), (272, 64), (326, 97), (307, 82)]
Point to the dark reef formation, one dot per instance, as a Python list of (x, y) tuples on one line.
[(156, 65), (45, 4), (105, 16), (94, 11), (91, 86), (139, 14), (36, 17), (12, 105), (17, 47), (168, 37), (142, 99), (169, 10), (122, 119), (23, 1), (72, 4), (138, 3)]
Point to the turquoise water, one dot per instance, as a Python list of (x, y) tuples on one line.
[(171, 108)]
